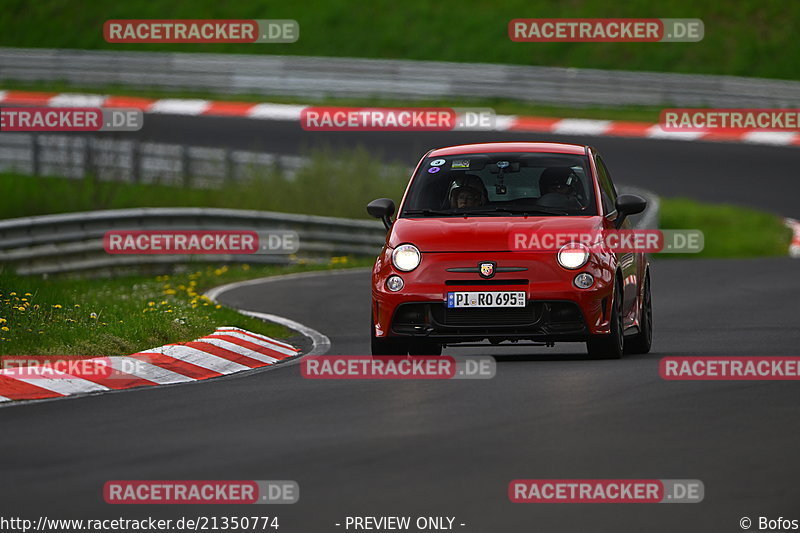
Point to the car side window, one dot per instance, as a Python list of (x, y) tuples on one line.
[(607, 190)]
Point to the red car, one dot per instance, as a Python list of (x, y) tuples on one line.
[(458, 265)]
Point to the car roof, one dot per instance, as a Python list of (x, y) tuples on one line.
[(560, 148)]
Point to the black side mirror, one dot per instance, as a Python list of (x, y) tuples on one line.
[(628, 204), (382, 208)]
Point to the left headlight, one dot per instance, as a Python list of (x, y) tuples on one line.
[(573, 255), (406, 257)]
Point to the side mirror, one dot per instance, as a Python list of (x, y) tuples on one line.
[(382, 208), (628, 204)]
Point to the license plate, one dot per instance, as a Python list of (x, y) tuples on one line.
[(486, 299)]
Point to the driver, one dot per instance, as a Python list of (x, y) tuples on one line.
[(558, 188), (466, 190), (559, 180), (466, 196)]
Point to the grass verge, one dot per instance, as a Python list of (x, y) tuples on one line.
[(742, 37), (96, 317), (338, 185), (730, 231)]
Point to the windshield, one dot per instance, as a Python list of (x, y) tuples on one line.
[(502, 184)]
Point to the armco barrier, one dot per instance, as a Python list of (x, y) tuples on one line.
[(400, 79), (73, 242)]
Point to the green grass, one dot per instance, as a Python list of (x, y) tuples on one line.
[(729, 231), (339, 185), (743, 37), (94, 317), (500, 106)]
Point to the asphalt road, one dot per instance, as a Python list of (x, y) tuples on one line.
[(759, 176), (450, 448)]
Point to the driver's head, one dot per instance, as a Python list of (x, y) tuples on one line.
[(556, 180), (461, 197)]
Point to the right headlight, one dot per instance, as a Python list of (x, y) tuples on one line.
[(573, 255), (406, 257)]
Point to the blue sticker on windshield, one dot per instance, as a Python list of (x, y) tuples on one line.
[(502, 164), (434, 170), (437, 162)]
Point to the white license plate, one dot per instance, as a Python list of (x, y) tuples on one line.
[(486, 299)]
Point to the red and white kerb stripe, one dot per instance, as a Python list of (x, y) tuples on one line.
[(226, 351), (287, 112)]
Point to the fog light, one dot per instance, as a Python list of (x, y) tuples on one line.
[(584, 280), (394, 283)]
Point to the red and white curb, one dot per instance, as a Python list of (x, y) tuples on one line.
[(287, 112), (226, 351), (794, 248)]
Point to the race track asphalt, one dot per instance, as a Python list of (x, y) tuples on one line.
[(450, 448)]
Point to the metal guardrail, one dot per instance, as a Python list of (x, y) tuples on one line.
[(132, 161), (73, 242), (402, 79)]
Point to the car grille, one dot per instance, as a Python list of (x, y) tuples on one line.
[(511, 316)]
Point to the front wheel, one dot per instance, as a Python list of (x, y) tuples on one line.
[(610, 345), (641, 342)]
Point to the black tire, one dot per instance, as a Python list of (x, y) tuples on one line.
[(609, 346), (643, 340), (424, 347), (387, 345)]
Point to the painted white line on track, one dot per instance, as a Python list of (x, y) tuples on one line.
[(148, 371), (179, 107), (219, 343), (279, 349), (320, 342), (580, 126), (77, 100), (66, 385), (199, 358)]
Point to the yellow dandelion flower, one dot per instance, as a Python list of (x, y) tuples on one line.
[(5, 328), (12, 293), (151, 304), (57, 306), (28, 294), (3, 320)]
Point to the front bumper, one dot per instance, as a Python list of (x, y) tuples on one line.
[(555, 311)]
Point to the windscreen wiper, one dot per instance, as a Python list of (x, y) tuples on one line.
[(428, 212), (518, 211)]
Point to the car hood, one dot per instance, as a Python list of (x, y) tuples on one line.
[(481, 234)]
